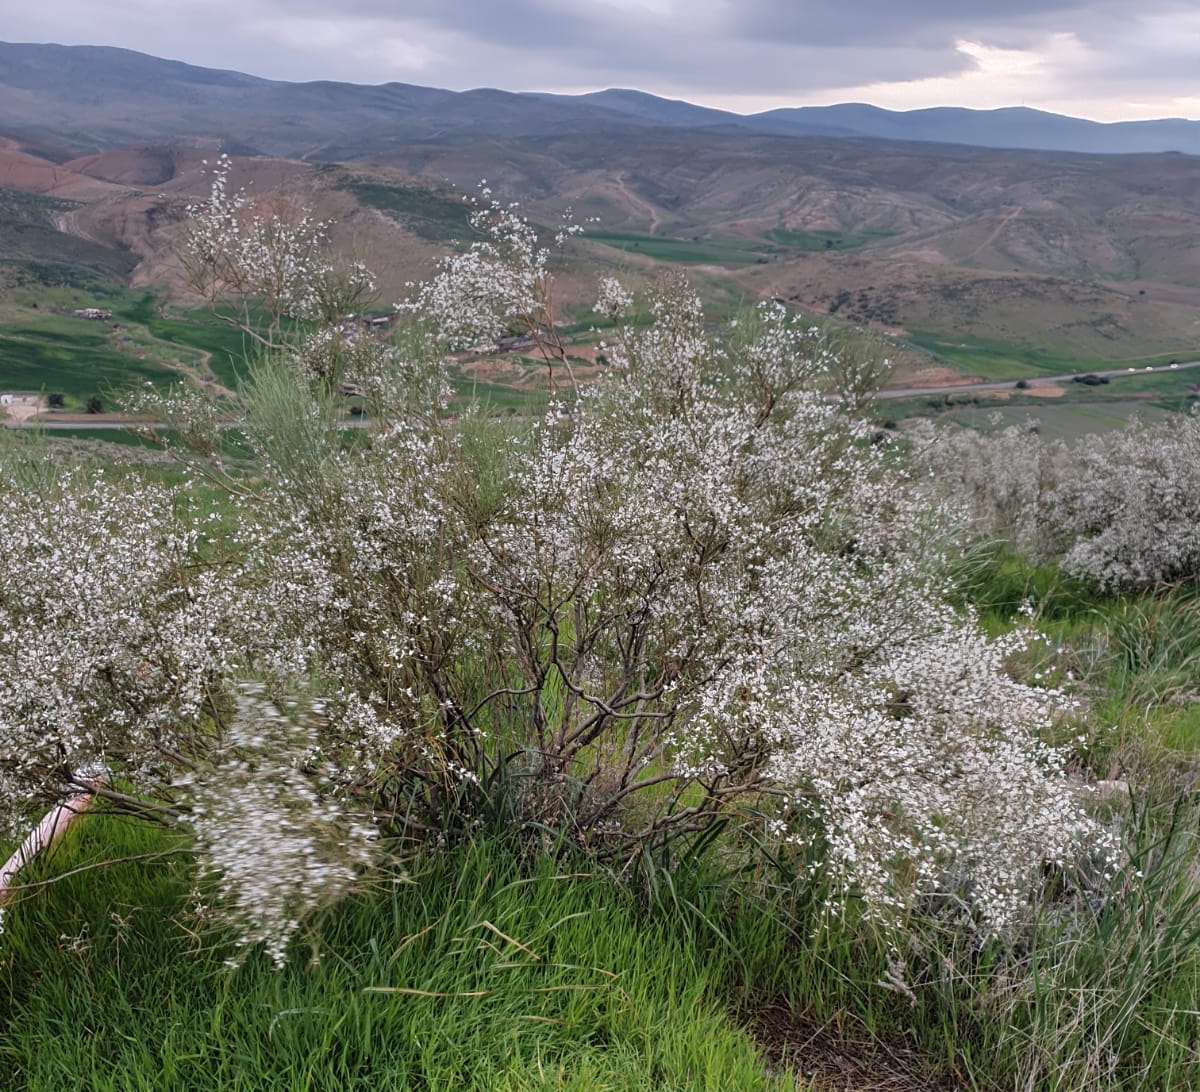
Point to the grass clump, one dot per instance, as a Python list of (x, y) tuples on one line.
[(478, 971)]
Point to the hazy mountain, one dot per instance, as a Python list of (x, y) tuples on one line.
[(83, 99), (73, 100), (649, 108), (1011, 127)]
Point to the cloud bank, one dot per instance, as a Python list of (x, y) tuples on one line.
[(1100, 59)]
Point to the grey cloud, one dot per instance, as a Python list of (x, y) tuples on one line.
[(1007, 23), (689, 48)]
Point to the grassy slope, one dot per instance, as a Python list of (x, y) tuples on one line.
[(44, 348), (484, 969), (473, 973), (29, 238)]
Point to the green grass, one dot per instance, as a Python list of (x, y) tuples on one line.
[(1009, 360), (118, 436), (44, 348), (433, 216), (475, 972), (698, 251), (226, 348), (78, 363), (1058, 420), (816, 241)]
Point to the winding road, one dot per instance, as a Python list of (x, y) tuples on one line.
[(1039, 381), (899, 392)]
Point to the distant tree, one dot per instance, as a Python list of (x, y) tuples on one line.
[(55, 400), (95, 405)]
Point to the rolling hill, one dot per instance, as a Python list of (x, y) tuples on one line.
[(994, 258)]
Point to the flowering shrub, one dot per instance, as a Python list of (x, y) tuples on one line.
[(1128, 509), (696, 589), (997, 479), (1120, 510), (238, 254), (280, 843)]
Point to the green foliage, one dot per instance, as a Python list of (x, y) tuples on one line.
[(1000, 583), (294, 430), (1110, 993)]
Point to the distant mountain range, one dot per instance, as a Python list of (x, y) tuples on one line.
[(65, 101)]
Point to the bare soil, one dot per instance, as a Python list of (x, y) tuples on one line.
[(832, 1062), (23, 407)]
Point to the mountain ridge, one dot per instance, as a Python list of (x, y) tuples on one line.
[(94, 98)]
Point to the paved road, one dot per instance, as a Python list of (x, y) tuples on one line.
[(68, 426), (1039, 381), (902, 392)]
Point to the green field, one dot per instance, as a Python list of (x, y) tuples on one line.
[(717, 251), (77, 363), (815, 241), (1058, 421), (43, 347), (226, 348), (1009, 360)]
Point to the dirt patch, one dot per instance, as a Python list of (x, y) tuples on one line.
[(21, 171), (22, 407), (926, 256), (1045, 390), (832, 1063)]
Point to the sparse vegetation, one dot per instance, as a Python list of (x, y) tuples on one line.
[(825, 240), (438, 217)]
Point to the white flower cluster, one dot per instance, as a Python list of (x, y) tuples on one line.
[(111, 634), (499, 284), (1127, 507), (265, 819), (1119, 509), (128, 615), (238, 251), (999, 479)]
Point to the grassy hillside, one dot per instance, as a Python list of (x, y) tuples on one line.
[(991, 265), (33, 246), (45, 348)]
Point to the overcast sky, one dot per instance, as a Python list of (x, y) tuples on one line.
[(1102, 59)]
